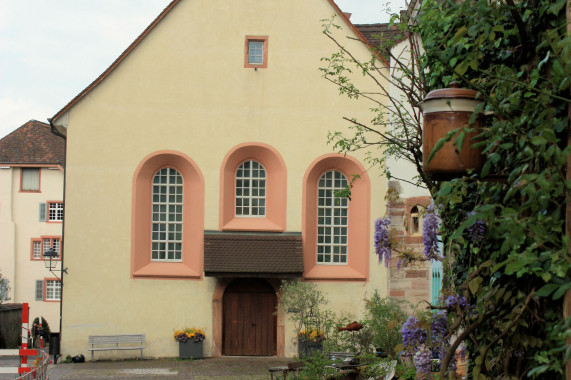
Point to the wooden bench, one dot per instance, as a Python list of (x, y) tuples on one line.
[(116, 342)]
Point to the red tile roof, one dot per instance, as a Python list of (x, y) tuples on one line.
[(382, 37), (377, 33), (32, 144), (253, 254)]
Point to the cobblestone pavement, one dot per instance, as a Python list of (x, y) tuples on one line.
[(231, 368)]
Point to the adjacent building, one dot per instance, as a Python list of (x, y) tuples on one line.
[(31, 216)]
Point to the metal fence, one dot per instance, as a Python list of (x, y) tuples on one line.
[(40, 369)]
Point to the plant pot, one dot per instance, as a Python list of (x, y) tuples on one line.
[(443, 111), (190, 349), (308, 348)]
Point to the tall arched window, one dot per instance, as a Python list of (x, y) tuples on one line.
[(251, 189), (332, 219), (166, 238), (349, 242)]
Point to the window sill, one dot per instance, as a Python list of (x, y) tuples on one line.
[(252, 224), (166, 271), (334, 273)]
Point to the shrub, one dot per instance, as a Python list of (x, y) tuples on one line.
[(45, 328)]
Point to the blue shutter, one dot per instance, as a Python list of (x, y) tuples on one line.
[(436, 280)]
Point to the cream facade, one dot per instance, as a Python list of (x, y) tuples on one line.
[(185, 97), (419, 283), (27, 229)]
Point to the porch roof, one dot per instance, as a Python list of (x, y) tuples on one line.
[(253, 254)]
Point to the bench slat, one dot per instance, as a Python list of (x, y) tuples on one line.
[(112, 342), (101, 339), (114, 348)]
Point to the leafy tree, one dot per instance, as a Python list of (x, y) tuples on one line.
[(4, 289), (506, 252)]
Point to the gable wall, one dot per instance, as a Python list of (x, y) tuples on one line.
[(184, 88)]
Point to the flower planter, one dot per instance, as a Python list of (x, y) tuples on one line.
[(190, 349), (308, 349), (445, 110)]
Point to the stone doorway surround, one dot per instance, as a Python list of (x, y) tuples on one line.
[(218, 316)]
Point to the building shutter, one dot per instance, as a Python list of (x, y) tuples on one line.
[(436, 280), (39, 290), (43, 213)]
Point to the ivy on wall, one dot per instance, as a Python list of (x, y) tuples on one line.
[(504, 228), (506, 252)]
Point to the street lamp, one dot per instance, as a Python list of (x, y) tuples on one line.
[(49, 255)]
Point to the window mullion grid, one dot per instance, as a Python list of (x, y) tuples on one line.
[(332, 220), (248, 204), (167, 217), (53, 290)]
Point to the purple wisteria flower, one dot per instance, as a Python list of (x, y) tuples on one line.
[(423, 362), (452, 301), (439, 324), (477, 231), (382, 245), (412, 335), (430, 227), (402, 263)]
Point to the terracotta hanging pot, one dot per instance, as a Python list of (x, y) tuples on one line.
[(445, 110)]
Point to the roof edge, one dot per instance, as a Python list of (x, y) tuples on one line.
[(117, 61), (356, 31), (149, 28)]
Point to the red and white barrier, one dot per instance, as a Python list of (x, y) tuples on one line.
[(39, 369)]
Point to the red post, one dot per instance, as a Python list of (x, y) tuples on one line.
[(25, 334), (41, 334)]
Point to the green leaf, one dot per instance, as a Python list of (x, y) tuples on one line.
[(557, 6), (538, 140), (459, 142), (459, 34), (440, 143), (543, 61), (486, 169), (546, 290), (474, 284), (561, 291)]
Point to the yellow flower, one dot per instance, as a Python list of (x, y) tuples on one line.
[(190, 333)]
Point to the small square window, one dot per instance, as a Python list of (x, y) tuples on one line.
[(30, 180), (53, 290), (256, 52), (55, 211)]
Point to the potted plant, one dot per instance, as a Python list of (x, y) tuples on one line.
[(309, 342), (190, 341)]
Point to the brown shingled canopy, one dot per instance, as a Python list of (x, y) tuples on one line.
[(32, 144), (235, 254)]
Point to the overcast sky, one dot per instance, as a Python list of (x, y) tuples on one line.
[(50, 50)]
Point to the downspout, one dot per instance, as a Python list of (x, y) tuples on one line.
[(62, 246)]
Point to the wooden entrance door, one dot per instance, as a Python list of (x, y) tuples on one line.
[(249, 321)]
